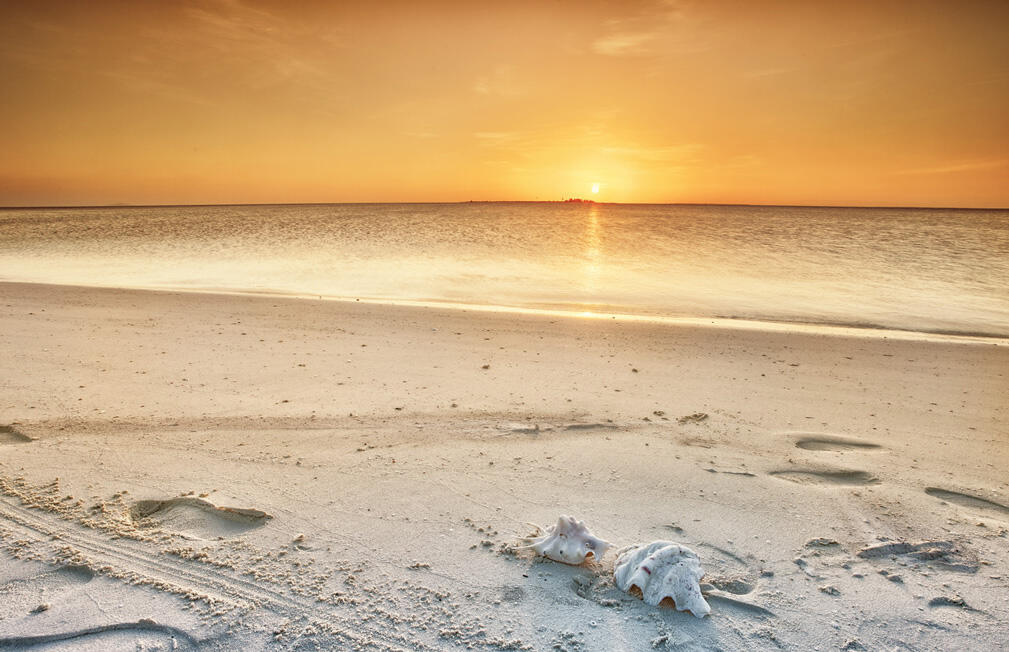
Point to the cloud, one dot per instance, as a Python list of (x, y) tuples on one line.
[(658, 27), (242, 33), (762, 73), (424, 135), (501, 82), (623, 44), (961, 166), (202, 51), (744, 161), (683, 153), (497, 136)]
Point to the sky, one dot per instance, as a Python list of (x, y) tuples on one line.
[(751, 101)]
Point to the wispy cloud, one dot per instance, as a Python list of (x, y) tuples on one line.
[(424, 135), (586, 139), (502, 82), (187, 51), (744, 161), (959, 166), (148, 84), (763, 73), (683, 153), (665, 26), (496, 137), (623, 43), (274, 41)]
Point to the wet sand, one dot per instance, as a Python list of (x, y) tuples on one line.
[(213, 471)]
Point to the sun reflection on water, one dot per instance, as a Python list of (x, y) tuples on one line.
[(592, 267)]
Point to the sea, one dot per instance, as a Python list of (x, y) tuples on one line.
[(940, 271)]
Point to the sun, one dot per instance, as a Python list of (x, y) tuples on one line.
[(595, 188)]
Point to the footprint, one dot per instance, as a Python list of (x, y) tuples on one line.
[(966, 500), (838, 477), (698, 442), (77, 573), (23, 593), (728, 572), (522, 429), (11, 435), (930, 548), (947, 555), (590, 426), (196, 517), (745, 474), (733, 585), (832, 443), (954, 601), (513, 594)]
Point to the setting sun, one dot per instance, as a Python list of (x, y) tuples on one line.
[(595, 188)]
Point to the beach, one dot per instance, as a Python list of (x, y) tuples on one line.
[(224, 471), (516, 326)]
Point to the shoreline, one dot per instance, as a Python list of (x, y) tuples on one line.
[(217, 471), (730, 323)]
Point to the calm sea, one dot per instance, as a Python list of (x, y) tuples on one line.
[(920, 270)]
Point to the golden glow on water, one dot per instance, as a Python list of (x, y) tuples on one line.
[(592, 267), (800, 265)]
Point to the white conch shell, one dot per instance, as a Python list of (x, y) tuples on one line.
[(663, 569), (568, 542)]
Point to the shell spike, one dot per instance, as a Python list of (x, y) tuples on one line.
[(568, 541)]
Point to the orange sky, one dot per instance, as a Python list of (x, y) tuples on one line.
[(218, 101)]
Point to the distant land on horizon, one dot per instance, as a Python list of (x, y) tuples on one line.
[(573, 200)]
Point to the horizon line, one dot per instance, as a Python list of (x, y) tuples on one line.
[(503, 201)]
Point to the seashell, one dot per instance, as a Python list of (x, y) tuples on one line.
[(663, 569), (568, 542)]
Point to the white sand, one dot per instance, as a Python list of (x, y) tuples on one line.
[(843, 492)]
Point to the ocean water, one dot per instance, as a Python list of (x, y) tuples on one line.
[(925, 270)]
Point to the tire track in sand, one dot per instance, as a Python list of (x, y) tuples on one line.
[(127, 559)]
